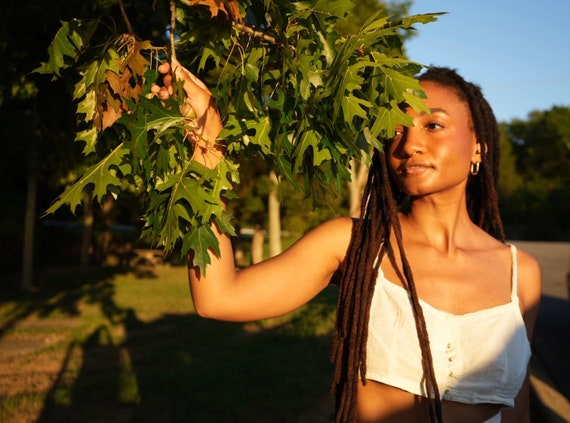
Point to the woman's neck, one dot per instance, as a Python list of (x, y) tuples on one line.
[(442, 224)]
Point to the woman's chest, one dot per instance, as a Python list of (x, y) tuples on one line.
[(457, 285)]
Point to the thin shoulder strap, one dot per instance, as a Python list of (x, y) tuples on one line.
[(514, 273)]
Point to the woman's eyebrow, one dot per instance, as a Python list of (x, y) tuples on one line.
[(434, 110)]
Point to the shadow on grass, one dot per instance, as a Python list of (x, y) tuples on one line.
[(182, 368), (60, 292)]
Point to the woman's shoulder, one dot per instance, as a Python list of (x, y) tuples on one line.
[(529, 272), (342, 223), (337, 226), (329, 239), (528, 268), (337, 230), (529, 287)]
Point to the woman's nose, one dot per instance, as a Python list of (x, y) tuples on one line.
[(409, 144)]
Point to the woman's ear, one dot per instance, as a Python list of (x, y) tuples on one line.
[(476, 156)]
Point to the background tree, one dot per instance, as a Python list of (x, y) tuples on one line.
[(540, 205), (510, 178), (31, 129), (37, 123)]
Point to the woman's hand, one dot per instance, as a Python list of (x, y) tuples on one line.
[(203, 117)]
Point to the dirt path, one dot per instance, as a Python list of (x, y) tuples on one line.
[(31, 355)]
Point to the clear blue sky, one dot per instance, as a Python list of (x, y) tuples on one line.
[(518, 52)]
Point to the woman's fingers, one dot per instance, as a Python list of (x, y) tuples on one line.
[(197, 94), (199, 107), (155, 88), (183, 73), (163, 93), (164, 68), (199, 97)]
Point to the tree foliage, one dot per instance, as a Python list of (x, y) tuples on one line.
[(289, 86), (542, 143), (540, 204)]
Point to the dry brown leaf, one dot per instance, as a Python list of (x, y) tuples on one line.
[(128, 83), (229, 7), (109, 107), (135, 60), (233, 10), (110, 116), (114, 81)]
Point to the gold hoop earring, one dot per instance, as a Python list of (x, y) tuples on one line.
[(474, 169)]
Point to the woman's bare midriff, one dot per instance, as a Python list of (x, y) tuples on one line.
[(378, 402)]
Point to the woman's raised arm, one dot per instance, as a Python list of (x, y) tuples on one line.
[(275, 286)]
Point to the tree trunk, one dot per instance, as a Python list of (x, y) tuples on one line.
[(358, 176), (104, 241), (87, 234), (274, 216), (237, 245), (257, 245), (29, 230)]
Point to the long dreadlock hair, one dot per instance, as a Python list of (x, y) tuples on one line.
[(369, 243)]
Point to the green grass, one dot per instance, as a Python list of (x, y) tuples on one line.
[(128, 346)]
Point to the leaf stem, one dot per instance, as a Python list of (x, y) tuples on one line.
[(172, 29)]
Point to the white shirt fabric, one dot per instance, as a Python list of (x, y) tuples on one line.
[(478, 357)]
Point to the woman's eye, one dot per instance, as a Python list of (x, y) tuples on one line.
[(434, 126)]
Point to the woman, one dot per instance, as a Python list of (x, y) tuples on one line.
[(435, 314)]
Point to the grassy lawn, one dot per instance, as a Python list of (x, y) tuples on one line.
[(118, 346)]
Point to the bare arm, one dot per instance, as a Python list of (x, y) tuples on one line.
[(271, 288), (275, 286)]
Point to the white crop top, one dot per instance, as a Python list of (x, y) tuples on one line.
[(478, 357)]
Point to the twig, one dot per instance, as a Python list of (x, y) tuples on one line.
[(126, 18), (242, 27), (254, 33)]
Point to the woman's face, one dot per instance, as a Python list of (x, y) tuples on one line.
[(434, 156)]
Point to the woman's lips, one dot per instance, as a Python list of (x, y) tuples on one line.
[(414, 168)]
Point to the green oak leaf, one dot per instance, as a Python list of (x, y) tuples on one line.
[(201, 239), (102, 176), (69, 42)]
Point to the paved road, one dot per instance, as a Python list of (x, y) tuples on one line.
[(554, 259), (550, 377)]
